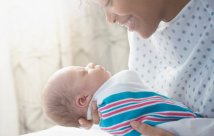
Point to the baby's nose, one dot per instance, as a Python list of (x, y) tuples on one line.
[(99, 67), (91, 65)]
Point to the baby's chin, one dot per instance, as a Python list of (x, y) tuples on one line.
[(109, 74)]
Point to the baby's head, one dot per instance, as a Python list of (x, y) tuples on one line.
[(69, 91)]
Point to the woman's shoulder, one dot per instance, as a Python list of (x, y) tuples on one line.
[(207, 5)]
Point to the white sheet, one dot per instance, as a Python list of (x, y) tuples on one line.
[(69, 131), (185, 127)]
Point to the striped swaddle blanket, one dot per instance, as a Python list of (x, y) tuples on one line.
[(117, 110)]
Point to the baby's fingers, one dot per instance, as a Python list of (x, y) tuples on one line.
[(95, 114), (85, 123)]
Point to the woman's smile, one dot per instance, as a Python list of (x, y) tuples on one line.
[(128, 23)]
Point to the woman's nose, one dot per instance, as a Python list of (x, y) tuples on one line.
[(111, 17)]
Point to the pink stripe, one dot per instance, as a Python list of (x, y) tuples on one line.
[(124, 124), (124, 101), (123, 132), (128, 108), (178, 114), (157, 119), (117, 126)]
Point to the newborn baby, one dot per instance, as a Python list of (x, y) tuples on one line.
[(121, 99)]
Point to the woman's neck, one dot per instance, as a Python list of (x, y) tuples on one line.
[(172, 8)]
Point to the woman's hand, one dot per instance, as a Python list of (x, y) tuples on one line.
[(95, 118), (148, 130)]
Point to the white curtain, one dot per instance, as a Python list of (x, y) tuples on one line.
[(46, 35), (8, 104)]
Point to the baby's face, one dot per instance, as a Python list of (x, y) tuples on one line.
[(89, 78), (74, 83)]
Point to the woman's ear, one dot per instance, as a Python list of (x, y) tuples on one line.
[(83, 100)]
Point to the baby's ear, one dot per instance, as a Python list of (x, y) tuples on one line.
[(83, 100)]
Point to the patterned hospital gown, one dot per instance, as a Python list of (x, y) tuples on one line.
[(178, 59)]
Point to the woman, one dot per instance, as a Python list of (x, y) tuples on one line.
[(171, 48)]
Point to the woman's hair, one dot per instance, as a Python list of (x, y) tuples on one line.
[(58, 104)]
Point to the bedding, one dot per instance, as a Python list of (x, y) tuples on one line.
[(184, 127), (69, 131)]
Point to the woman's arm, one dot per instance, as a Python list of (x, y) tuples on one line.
[(148, 130), (184, 127)]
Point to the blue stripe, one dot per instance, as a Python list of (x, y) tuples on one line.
[(133, 133), (151, 123), (140, 112), (119, 129), (167, 117), (125, 95), (130, 115), (130, 103)]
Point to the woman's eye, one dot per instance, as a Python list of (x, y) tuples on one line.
[(103, 3), (83, 72), (107, 3)]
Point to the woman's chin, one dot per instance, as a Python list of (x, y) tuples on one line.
[(145, 34)]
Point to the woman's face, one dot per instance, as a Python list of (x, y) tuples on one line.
[(142, 16)]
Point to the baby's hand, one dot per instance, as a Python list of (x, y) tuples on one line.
[(95, 118)]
